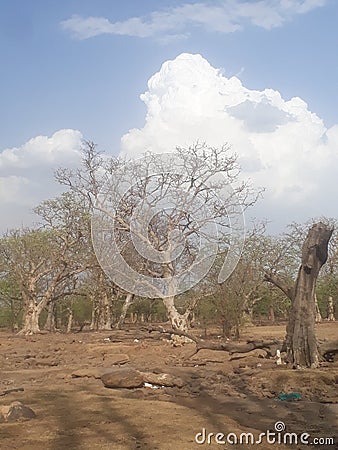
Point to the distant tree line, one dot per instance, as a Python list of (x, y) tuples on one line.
[(50, 278)]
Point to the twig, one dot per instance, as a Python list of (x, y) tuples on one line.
[(9, 391)]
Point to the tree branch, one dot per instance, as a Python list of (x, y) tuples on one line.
[(284, 287)]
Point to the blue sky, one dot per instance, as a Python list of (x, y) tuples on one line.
[(51, 81), (54, 76)]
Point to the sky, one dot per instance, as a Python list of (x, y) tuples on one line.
[(147, 75)]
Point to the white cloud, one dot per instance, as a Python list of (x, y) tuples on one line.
[(224, 16), (26, 174), (41, 150), (281, 144), (12, 189)]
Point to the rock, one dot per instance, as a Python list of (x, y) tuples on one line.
[(162, 379), (123, 378), (266, 393), (16, 411), (257, 353), (178, 341), (97, 372), (118, 359), (90, 372)]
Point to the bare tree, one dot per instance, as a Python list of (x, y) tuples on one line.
[(203, 174)]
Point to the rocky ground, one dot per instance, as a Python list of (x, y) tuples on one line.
[(158, 398)]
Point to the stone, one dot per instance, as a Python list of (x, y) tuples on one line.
[(91, 372), (123, 378), (162, 379), (179, 341), (16, 411), (117, 359)]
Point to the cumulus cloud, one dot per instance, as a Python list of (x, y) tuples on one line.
[(26, 174), (224, 16), (280, 143), (41, 150)]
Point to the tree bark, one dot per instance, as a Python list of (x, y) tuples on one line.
[(330, 310), (70, 319), (318, 313), (31, 317), (105, 317), (301, 342), (50, 320), (94, 315), (127, 302), (178, 321)]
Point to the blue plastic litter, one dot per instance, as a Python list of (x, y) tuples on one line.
[(288, 397)]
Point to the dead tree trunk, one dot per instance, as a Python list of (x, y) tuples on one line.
[(301, 342)]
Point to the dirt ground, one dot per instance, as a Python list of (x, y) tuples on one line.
[(219, 395)]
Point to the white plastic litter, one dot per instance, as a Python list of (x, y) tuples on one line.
[(153, 386)]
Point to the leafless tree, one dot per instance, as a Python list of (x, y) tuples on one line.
[(203, 174)]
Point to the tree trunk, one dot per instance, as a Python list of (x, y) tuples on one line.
[(70, 320), (94, 316), (301, 342), (14, 317), (31, 317), (318, 314), (105, 318), (178, 321), (226, 328), (330, 310), (247, 311), (50, 321), (127, 302)]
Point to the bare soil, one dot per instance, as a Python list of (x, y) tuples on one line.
[(220, 395)]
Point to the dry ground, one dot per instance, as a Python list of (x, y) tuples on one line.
[(220, 395)]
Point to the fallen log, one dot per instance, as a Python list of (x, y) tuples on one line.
[(326, 349), (231, 347)]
